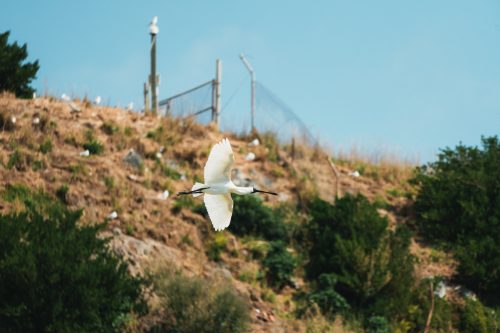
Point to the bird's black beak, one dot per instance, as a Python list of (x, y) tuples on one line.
[(259, 191)]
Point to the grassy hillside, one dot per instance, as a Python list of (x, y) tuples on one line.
[(134, 158)]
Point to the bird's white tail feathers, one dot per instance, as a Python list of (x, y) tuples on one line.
[(197, 186)]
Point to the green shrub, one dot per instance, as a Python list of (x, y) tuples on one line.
[(46, 146), (109, 181), (59, 276), (458, 205), (62, 193), (279, 265), (184, 201), (20, 160), (476, 318), (170, 172), (110, 128), (252, 217), (38, 165), (195, 305), (15, 160), (444, 316), (367, 264), (15, 75), (257, 248), (216, 246), (326, 297), (377, 324), (94, 147)]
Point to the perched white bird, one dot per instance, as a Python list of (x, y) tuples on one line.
[(354, 174), (218, 186), (250, 157), (164, 195), (113, 215), (97, 100), (440, 290), (153, 26), (255, 142)]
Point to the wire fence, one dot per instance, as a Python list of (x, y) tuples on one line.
[(274, 115), (271, 113), (197, 102)]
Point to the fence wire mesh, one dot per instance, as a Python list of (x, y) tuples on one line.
[(196, 102), (271, 113)]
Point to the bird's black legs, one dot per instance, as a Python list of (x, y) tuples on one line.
[(259, 191), (197, 191)]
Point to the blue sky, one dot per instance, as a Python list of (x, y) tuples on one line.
[(407, 77)]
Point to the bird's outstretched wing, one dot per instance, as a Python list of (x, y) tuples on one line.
[(220, 209), (220, 161)]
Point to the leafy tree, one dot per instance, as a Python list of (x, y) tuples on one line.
[(252, 217), (458, 205), (16, 76), (57, 276), (279, 264), (366, 264)]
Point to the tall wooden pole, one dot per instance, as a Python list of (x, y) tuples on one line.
[(153, 79), (154, 99)]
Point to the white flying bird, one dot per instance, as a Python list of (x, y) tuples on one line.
[(218, 186)]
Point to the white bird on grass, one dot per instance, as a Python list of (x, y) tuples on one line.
[(218, 186)]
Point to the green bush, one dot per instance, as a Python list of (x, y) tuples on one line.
[(216, 246), (94, 147), (46, 146), (458, 205), (252, 217), (368, 265), (62, 193), (110, 128), (185, 201), (57, 276), (15, 160), (279, 265), (444, 316), (377, 324), (326, 297), (476, 318), (14, 75), (195, 305)]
